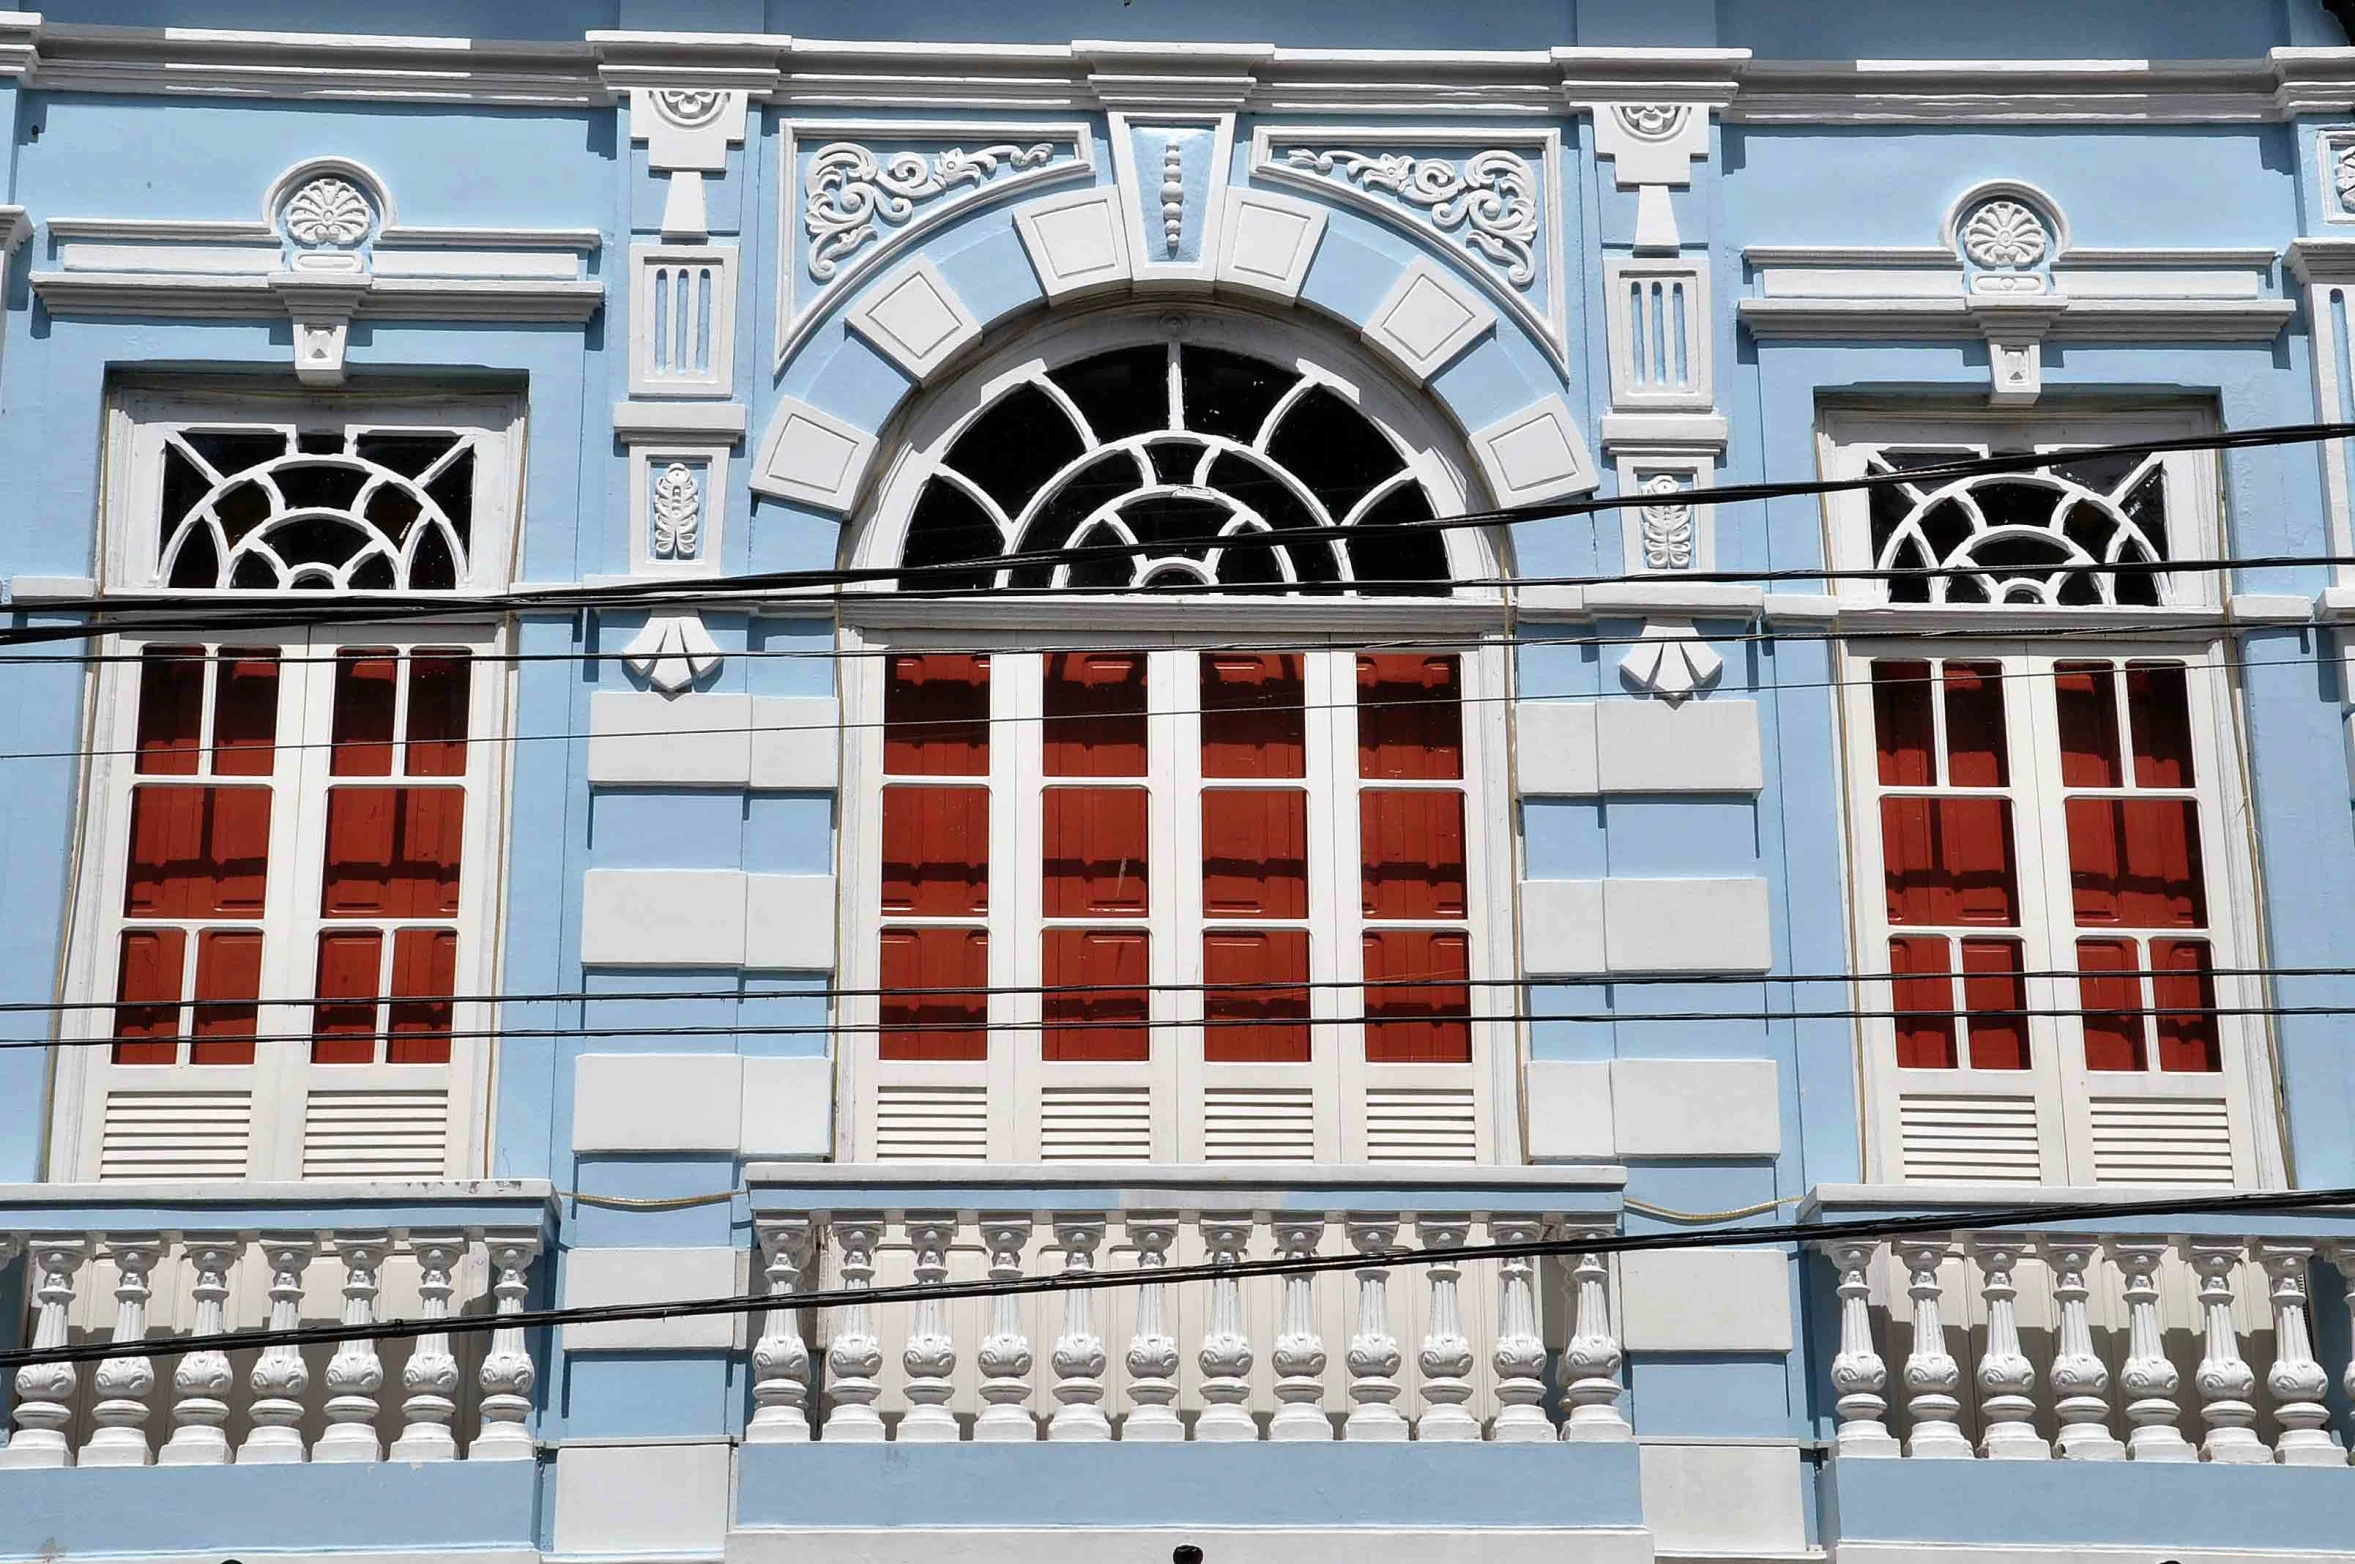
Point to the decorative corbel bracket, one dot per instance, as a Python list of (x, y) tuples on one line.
[(1167, 76), (321, 301), (2015, 329), (1651, 147), (1671, 662), (672, 652), (16, 226), (687, 131)]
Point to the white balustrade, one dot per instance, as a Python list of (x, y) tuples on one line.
[(856, 1357), (1590, 1363), (429, 1380), (1373, 1352), (355, 1373), (1152, 1359), (1078, 1359), (280, 1377), (1519, 1357), (507, 1375), (122, 1384), (1299, 1356), (1226, 1349), (45, 1391), (2147, 1296), (201, 1384), (1446, 1358), (1004, 1358), (930, 1356)]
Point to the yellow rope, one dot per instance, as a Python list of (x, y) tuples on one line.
[(1671, 1214), (649, 1203)]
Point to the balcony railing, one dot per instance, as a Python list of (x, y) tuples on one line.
[(1383, 1351), (160, 1261), (2090, 1339)]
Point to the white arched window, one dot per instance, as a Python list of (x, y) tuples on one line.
[(290, 838), (1193, 838)]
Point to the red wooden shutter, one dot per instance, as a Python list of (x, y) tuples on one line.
[(1410, 720), (1262, 1024), (1254, 853), (947, 1025), (1412, 847), (1096, 851), (936, 851), (1093, 706), (936, 716), (1254, 715), (1096, 1002), (1429, 1022)]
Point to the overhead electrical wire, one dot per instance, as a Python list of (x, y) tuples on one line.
[(1949, 1220), (168, 611)]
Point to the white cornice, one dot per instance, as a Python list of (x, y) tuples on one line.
[(192, 61), (181, 296), (197, 230), (2081, 320), (16, 226), (2322, 260), (1938, 92)]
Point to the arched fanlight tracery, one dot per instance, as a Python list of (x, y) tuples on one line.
[(1180, 448), (2039, 537)]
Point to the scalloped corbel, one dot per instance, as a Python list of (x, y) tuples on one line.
[(1671, 662), (672, 652)]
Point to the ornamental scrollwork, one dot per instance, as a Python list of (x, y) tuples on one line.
[(848, 190), (328, 213), (689, 107), (2342, 175), (1492, 198)]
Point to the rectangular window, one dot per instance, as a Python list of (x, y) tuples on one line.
[(2045, 847)]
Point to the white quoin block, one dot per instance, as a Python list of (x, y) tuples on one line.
[(915, 319), (1428, 318)]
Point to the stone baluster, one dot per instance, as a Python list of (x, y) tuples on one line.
[(2296, 1382), (855, 1360), (2342, 1255), (1152, 1351), (1004, 1359), (781, 1359), (930, 1356), (1590, 1361), (429, 1380), (123, 1384), (355, 1374), (280, 1377), (45, 1391), (507, 1373), (1446, 1358), (2080, 1380), (7, 1253), (1519, 1357), (1373, 1355), (1078, 1358), (1931, 1375), (200, 1385), (1225, 1357), (2006, 1379), (1299, 1354), (2148, 1379), (2228, 1386), (1858, 1373)]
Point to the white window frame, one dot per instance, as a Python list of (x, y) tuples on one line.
[(1177, 1079), (137, 417), (2057, 1080)]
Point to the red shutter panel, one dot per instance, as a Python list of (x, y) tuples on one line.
[(440, 697), (936, 851), (1096, 1003), (949, 1025), (147, 1022), (1976, 752), (349, 960), (1949, 861), (1922, 994), (1429, 1022), (1254, 853), (228, 990), (1412, 847), (366, 688), (1410, 720), (1254, 715), (424, 977), (245, 716), (1903, 736), (1096, 851), (1093, 706), (936, 716), (1262, 1024)]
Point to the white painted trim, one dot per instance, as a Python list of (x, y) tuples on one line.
[(1140, 192), (499, 299), (718, 326), (710, 455), (1534, 455), (675, 419), (1426, 320), (812, 457), (597, 1277), (28, 589), (1077, 243), (16, 226), (1227, 1545), (1228, 1181), (1268, 243), (2079, 320), (656, 1102), (915, 319)]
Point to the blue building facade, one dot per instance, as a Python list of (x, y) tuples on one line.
[(667, 653)]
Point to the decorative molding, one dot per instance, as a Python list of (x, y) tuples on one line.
[(1173, 170), (1076, 243), (812, 458), (672, 652), (1672, 534), (1657, 315), (682, 320), (687, 130), (1427, 318), (1652, 146), (317, 257), (720, 421), (1671, 662), (1534, 455), (678, 507), (16, 226), (1172, 76), (2334, 153), (1267, 243), (853, 210), (915, 319), (1504, 231)]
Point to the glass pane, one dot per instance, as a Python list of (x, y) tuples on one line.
[(936, 716), (1976, 754), (1902, 731), (1095, 852), (1256, 1025), (171, 709), (2111, 996), (1254, 853), (951, 1025), (245, 716), (2135, 863), (228, 982), (1428, 1023), (1254, 716), (197, 852), (1923, 998), (1412, 848), (439, 695), (936, 851), (2188, 1041), (1992, 986), (348, 962), (392, 852), (1094, 709), (1949, 861), (147, 1024), (1410, 718), (424, 976), (1096, 1004), (365, 692), (2159, 711), (2085, 698)]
